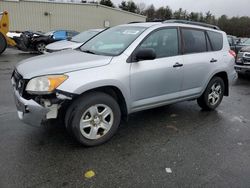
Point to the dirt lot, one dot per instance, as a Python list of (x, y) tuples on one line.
[(199, 149)]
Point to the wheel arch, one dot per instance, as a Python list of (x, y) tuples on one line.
[(113, 91)]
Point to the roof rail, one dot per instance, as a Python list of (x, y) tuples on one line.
[(192, 23)]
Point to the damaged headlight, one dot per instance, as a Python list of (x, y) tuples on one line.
[(45, 84)]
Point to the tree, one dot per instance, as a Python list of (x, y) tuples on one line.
[(208, 17), (194, 16), (150, 13), (128, 6), (141, 8), (169, 13), (181, 14), (108, 3), (163, 13)]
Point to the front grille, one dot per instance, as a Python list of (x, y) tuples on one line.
[(18, 82)]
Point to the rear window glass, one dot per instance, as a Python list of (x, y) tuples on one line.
[(194, 41), (216, 40)]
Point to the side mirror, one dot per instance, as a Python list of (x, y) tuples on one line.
[(145, 54), (69, 38)]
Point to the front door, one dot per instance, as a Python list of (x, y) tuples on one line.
[(156, 81)]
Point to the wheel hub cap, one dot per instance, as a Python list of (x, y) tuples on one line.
[(215, 94), (96, 121)]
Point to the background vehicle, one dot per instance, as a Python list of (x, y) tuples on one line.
[(237, 43), (4, 29), (240, 45), (36, 41), (123, 70), (243, 61), (74, 42), (233, 41)]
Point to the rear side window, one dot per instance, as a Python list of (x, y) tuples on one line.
[(216, 40), (194, 41)]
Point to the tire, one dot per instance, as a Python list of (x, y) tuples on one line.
[(3, 43), (87, 122), (40, 47), (213, 95)]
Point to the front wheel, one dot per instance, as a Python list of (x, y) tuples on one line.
[(93, 118), (213, 95)]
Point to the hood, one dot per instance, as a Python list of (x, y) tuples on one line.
[(60, 62), (245, 49), (64, 44)]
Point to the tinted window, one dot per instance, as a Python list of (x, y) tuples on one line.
[(164, 42), (216, 40), (194, 41)]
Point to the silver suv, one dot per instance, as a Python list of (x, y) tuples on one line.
[(125, 69)]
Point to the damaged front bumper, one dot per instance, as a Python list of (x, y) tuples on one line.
[(35, 109), (32, 113), (29, 111)]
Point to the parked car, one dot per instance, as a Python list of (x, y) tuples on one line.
[(125, 69), (243, 61), (36, 41), (236, 43), (233, 41), (72, 43)]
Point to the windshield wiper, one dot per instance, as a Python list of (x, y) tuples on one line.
[(89, 51)]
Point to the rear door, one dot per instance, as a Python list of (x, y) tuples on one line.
[(198, 60)]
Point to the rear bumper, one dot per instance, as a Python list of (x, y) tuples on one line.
[(29, 111), (242, 69)]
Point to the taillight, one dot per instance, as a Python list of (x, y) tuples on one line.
[(231, 52)]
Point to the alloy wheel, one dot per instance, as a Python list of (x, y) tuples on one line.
[(96, 121), (214, 95)]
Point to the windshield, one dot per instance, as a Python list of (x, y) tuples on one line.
[(247, 42), (112, 41), (84, 36)]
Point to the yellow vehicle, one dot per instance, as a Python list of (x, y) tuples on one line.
[(4, 29)]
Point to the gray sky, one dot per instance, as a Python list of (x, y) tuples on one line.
[(217, 7)]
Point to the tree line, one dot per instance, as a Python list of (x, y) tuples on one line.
[(237, 26)]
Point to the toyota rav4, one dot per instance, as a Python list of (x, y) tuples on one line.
[(125, 69)]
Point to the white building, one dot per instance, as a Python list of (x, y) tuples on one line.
[(44, 16)]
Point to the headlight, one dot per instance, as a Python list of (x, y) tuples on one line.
[(45, 84)]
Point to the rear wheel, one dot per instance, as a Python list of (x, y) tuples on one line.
[(3, 43), (40, 47), (93, 118), (213, 94)]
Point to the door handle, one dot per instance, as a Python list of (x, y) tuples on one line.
[(177, 65), (213, 60)]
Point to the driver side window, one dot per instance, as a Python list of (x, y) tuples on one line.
[(164, 42)]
